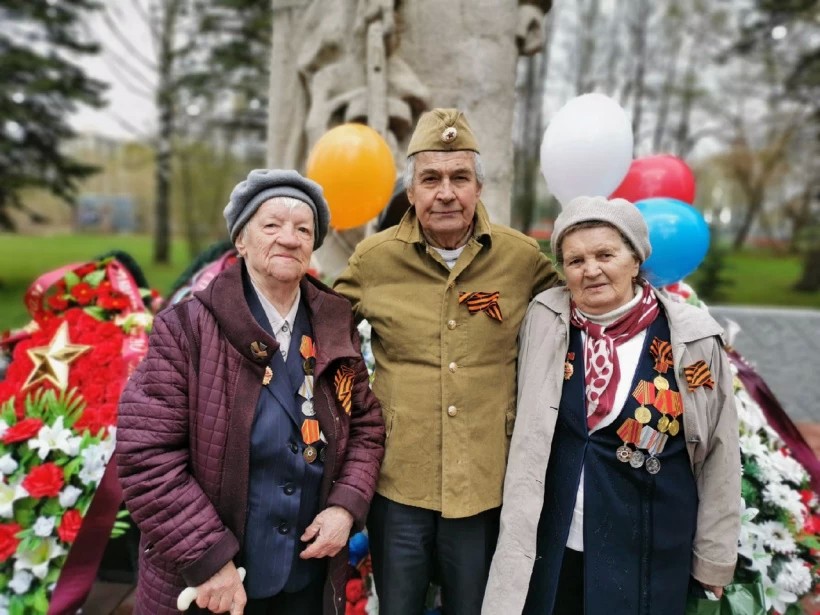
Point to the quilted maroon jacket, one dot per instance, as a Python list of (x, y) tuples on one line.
[(184, 430)]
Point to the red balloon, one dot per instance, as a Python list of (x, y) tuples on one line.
[(657, 176)]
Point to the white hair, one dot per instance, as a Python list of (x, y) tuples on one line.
[(410, 170)]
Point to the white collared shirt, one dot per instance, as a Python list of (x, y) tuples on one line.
[(282, 326)]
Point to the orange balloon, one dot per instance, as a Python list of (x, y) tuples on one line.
[(355, 168)]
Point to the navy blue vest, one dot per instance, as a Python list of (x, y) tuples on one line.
[(638, 527), (283, 489)]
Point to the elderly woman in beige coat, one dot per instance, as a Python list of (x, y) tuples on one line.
[(623, 482)]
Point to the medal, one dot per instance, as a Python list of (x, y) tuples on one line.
[(568, 370), (268, 376), (653, 465), (307, 408), (309, 454), (643, 415), (663, 423), (654, 442), (661, 383), (671, 403), (636, 461), (629, 432), (323, 454)]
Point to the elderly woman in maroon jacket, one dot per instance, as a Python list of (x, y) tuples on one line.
[(249, 437)]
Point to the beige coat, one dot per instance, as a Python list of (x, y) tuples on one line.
[(710, 425), (445, 377)]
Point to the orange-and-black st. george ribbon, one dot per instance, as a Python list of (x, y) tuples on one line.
[(698, 374), (482, 302), (661, 350), (344, 386)]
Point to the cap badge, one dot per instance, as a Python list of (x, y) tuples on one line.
[(449, 134)]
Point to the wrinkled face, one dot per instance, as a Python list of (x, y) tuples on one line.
[(277, 242), (445, 193), (599, 268)]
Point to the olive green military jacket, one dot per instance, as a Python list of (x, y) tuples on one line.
[(445, 373)]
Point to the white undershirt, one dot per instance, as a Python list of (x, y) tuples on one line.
[(282, 327), (450, 256), (629, 354)]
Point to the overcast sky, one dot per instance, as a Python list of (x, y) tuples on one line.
[(130, 112)]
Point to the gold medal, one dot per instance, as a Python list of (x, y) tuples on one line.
[(661, 383), (623, 453), (309, 454), (643, 415), (674, 427), (663, 423)]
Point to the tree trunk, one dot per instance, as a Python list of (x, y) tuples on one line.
[(810, 280), (165, 105)]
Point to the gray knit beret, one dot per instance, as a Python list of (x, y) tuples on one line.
[(264, 184), (620, 213)]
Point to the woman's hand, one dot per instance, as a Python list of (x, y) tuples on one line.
[(223, 592), (717, 590), (331, 529)]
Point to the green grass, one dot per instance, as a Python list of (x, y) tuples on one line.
[(764, 278), (24, 258), (760, 277)]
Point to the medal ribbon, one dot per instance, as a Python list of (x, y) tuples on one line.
[(630, 431), (669, 402), (310, 431), (645, 393), (652, 440), (482, 302), (698, 374), (662, 351)]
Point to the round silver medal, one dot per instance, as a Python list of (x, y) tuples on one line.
[(636, 460), (653, 465), (307, 408)]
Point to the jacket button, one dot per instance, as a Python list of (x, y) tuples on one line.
[(452, 410), (451, 324), (453, 367), (293, 448), (284, 528), (289, 489)]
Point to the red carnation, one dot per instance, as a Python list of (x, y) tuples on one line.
[(58, 303), (83, 271), (83, 293), (113, 300), (44, 481), (95, 418), (19, 432), (70, 525), (8, 540)]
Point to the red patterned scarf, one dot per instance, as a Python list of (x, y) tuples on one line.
[(601, 370)]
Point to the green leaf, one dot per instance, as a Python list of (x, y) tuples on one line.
[(95, 277), (95, 312), (71, 280), (40, 601), (17, 606)]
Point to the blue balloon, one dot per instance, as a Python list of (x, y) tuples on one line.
[(679, 237)]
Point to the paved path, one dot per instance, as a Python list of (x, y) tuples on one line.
[(784, 347)]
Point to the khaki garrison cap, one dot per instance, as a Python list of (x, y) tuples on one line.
[(442, 130)]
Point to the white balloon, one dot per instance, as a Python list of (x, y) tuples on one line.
[(587, 148)]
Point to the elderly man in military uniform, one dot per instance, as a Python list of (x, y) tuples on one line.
[(445, 292)]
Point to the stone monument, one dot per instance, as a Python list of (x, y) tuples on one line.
[(383, 63)]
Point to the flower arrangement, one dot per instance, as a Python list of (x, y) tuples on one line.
[(57, 419), (780, 515)]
